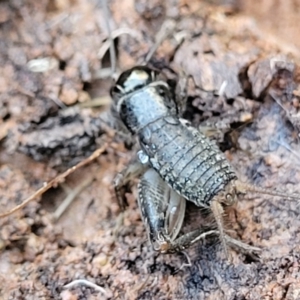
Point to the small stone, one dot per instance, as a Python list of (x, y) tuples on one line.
[(68, 95)]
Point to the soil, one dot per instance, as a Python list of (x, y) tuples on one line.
[(54, 95)]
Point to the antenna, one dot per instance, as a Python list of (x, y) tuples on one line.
[(246, 187)]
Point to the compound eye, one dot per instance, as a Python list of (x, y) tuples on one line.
[(162, 92), (116, 90)]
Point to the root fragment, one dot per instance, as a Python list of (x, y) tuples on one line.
[(88, 284)]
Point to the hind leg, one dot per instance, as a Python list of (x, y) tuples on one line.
[(163, 212), (134, 169), (217, 211)]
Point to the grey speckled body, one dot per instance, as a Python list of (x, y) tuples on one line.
[(186, 159), (175, 159), (176, 163)]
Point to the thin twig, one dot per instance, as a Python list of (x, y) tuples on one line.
[(188, 264), (287, 147), (96, 102), (55, 181), (166, 29), (87, 283), (70, 198), (116, 33), (112, 50), (240, 245), (222, 88), (154, 283), (103, 73)]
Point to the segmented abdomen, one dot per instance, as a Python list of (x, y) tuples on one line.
[(186, 159)]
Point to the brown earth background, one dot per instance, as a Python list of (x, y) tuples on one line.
[(243, 57)]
